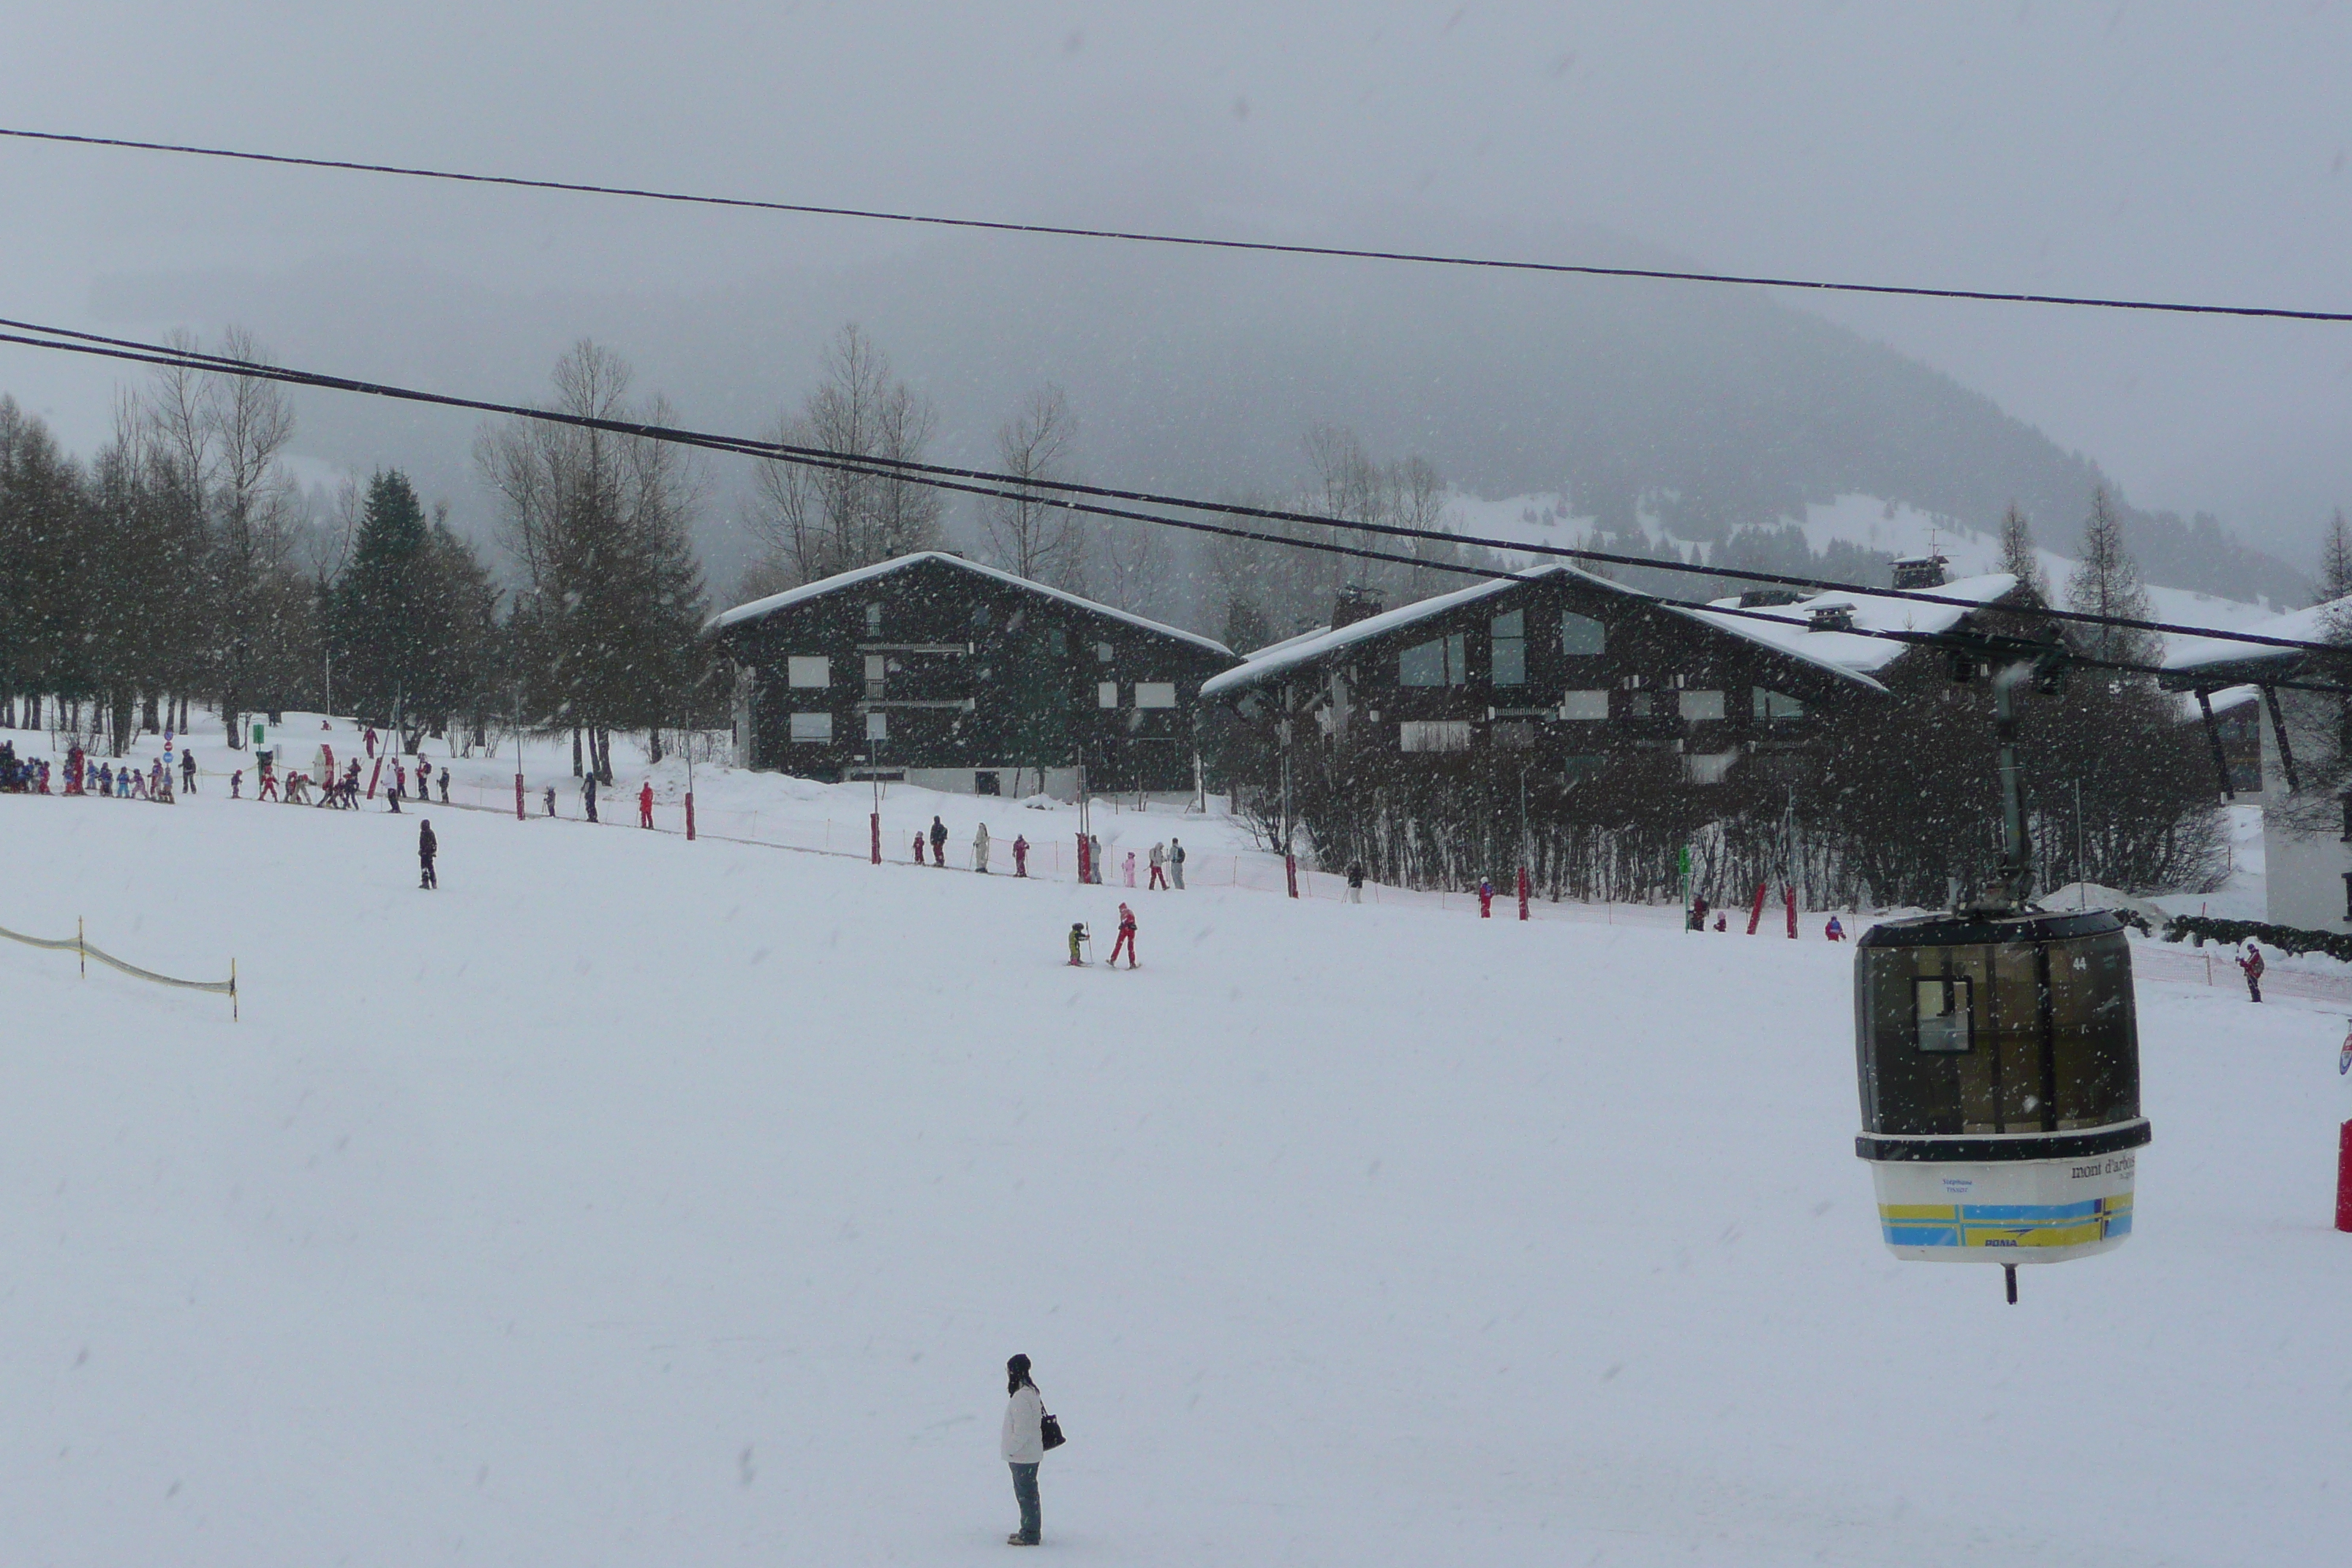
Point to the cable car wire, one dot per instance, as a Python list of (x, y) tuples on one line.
[(1025, 489), (1199, 242), (93, 345)]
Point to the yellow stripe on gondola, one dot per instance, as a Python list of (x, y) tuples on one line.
[(1947, 1213)]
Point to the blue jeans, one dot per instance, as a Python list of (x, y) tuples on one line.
[(1024, 1488)]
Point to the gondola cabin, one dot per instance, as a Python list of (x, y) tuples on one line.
[(1999, 1062)]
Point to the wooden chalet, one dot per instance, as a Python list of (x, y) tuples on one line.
[(955, 675)]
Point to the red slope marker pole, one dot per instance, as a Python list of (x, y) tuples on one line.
[(1755, 911), (1791, 895), (519, 816), (689, 817), (2344, 1177), (1523, 892)]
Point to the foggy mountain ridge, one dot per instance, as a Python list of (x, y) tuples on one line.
[(1703, 412)]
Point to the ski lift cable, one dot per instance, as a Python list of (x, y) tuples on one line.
[(1027, 486), (1188, 241), (851, 463)]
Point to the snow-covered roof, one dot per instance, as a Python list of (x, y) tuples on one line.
[(2223, 701), (2320, 623), (1787, 626), (1314, 645), (758, 608)]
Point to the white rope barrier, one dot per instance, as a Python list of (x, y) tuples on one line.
[(80, 944)]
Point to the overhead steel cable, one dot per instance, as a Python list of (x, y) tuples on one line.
[(1199, 242), (1009, 487), (1026, 489)]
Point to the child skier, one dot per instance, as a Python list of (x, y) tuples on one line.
[(1078, 935), (644, 804), (2253, 964), (1126, 938), (1486, 899), (1020, 853)]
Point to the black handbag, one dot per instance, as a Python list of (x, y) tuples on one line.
[(1049, 1430)]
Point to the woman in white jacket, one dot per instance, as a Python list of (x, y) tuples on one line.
[(1024, 1445)]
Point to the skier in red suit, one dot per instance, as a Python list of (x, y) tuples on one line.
[(1125, 937), (645, 804)]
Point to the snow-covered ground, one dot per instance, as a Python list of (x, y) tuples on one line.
[(631, 1201)]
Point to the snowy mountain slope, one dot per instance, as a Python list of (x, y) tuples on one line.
[(1857, 520), (637, 1202)]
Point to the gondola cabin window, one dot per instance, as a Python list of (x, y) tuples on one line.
[(1442, 661), (1945, 1026), (1511, 649), (1582, 636)]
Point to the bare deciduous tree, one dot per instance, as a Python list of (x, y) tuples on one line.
[(1031, 534), (816, 522)]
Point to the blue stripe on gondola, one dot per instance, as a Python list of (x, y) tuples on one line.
[(2029, 1214)]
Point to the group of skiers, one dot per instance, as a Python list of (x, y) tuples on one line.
[(83, 777), (1165, 863)]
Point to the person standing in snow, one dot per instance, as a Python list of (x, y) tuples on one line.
[(237, 785), (645, 804), (1486, 899), (444, 783), (269, 790), (1128, 867), (371, 742), (1097, 841), (918, 847), (588, 793), (392, 799), (428, 847), (1126, 938), (939, 844), (399, 778), (980, 850), (551, 800), (1020, 855), (1835, 931), (1023, 1446), (2253, 964), (1356, 883), (1176, 862), (1159, 873), (188, 772), (1078, 935)]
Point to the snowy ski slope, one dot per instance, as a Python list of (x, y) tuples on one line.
[(635, 1202)]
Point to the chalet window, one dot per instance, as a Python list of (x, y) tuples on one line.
[(812, 728), (1699, 706), (980, 614), (1102, 653), (1584, 705), (807, 670), (1106, 694), (1434, 735), (1155, 694), (1442, 661), (1516, 735), (877, 672), (1641, 705), (874, 619), (1580, 636), (1772, 705), (1057, 639), (878, 726), (1510, 643)]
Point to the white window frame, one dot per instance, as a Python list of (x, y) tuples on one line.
[(808, 671), (1434, 735), (1588, 706), (812, 728), (1106, 694), (878, 725), (1701, 706), (1155, 694)]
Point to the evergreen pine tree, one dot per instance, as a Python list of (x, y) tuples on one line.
[(380, 631), (2021, 560), (2335, 560)]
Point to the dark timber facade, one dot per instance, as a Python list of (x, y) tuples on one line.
[(1560, 670), (955, 675)]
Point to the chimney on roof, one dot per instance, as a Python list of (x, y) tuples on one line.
[(1831, 618), (1355, 602), (1921, 572)]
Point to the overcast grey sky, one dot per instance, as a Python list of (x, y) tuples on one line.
[(2187, 152)]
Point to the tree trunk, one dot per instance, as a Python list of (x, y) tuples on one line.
[(575, 752)]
